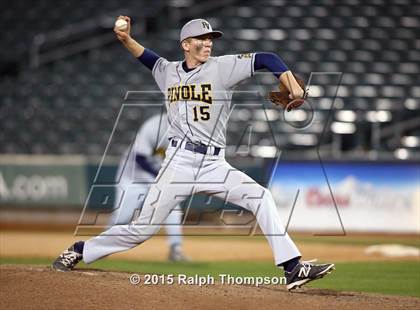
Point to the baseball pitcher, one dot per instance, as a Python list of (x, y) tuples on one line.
[(198, 92)]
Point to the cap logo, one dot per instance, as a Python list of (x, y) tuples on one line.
[(206, 25)]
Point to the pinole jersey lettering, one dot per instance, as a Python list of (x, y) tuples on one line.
[(190, 92), (198, 102)]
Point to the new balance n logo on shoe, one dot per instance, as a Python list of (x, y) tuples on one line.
[(304, 272)]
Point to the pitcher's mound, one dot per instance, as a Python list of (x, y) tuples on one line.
[(38, 287)]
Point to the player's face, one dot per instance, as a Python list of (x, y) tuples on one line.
[(200, 47)]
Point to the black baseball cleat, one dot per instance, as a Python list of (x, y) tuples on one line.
[(67, 260), (305, 272)]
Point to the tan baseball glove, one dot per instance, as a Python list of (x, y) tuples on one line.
[(283, 98)]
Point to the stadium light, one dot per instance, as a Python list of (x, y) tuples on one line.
[(296, 116), (244, 115), (412, 104), (343, 128), (264, 151), (378, 116), (268, 114), (303, 139), (346, 116), (410, 141), (401, 153), (316, 91)]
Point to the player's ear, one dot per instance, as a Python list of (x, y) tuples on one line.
[(185, 45)]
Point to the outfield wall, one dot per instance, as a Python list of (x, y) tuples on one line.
[(53, 181), (348, 196), (338, 196)]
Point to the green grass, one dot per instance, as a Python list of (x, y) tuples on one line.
[(394, 278), (356, 240)]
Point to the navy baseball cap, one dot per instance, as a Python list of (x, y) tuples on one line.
[(198, 27)]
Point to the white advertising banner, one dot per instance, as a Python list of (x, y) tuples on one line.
[(338, 197)]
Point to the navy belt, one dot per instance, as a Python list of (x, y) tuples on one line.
[(196, 148)]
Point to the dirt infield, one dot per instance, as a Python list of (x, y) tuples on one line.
[(27, 244), (37, 287)]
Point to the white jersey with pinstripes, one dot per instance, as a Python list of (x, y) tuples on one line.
[(198, 102)]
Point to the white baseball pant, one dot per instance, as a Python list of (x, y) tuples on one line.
[(182, 174), (130, 197)]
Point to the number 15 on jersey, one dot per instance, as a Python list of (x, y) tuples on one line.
[(201, 112)]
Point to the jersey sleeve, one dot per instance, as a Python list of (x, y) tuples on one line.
[(235, 68), (159, 72)]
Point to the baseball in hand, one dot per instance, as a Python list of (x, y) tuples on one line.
[(121, 25)]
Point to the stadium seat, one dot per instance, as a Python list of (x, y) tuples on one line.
[(374, 43)]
